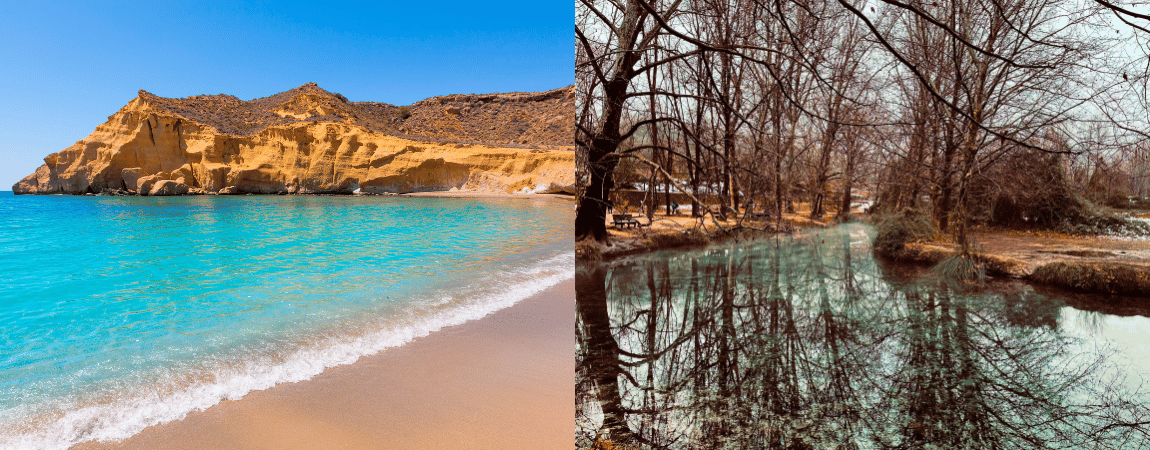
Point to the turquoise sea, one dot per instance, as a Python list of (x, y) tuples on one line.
[(122, 312)]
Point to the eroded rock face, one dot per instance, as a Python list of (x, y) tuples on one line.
[(161, 146)]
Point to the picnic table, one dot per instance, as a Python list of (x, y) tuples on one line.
[(764, 216), (625, 220)]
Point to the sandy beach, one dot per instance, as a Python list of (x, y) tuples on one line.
[(475, 194), (503, 381)]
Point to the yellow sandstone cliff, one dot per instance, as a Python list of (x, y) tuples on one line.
[(308, 140)]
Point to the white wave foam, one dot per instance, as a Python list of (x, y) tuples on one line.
[(170, 401)]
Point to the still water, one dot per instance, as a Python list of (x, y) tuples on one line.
[(809, 342)]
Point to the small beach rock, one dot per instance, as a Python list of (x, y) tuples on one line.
[(131, 177), (144, 184), (168, 187)]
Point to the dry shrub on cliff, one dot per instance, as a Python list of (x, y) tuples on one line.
[(505, 118)]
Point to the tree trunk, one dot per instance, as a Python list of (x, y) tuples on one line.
[(601, 147)]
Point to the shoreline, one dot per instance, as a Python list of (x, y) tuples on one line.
[(1080, 266), (684, 232), (476, 194), (448, 194), (502, 381), (1087, 264)]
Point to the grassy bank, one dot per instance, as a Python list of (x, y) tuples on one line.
[(1083, 263)]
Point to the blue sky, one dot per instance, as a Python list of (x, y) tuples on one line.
[(66, 67)]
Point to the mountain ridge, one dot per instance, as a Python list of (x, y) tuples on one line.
[(309, 140)]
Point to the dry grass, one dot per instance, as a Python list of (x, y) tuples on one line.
[(608, 445), (1112, 278), (1082, 263), (1003, 266), (681, 239), (961, 269), (588, 250), (933, 253)]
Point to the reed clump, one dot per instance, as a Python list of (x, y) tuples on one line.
[(588, 250), (962, 269)]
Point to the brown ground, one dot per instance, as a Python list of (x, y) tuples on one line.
[(1114, 265), (1032, 249), (535, 119), (1106, 265), (666, 231), (1041, 248)]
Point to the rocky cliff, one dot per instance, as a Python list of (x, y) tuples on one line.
[(308, 140)]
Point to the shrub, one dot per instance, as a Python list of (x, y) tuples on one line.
[(900, 228), (677, 239), (404, 112)]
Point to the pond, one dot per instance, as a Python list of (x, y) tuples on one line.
[(810, 342)]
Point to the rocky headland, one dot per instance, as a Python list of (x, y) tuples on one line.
[(311, 141)]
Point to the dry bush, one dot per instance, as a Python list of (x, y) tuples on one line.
[(588, 250), (1101, 277), (1049, 202), (898, 229), (961, 269)]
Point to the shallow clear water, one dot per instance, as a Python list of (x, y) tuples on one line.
[(122, 312), (809, 342)]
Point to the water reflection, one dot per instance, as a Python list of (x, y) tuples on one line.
[(810, 343)]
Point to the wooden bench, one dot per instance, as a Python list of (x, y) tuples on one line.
[(765, 217), (626, 220)]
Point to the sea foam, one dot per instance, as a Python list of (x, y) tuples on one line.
[(124, 312), (172, 399)]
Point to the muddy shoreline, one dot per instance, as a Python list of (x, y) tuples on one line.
[(1088, 264)]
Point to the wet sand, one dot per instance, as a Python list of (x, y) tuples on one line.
[(504, 381), (474, 194)]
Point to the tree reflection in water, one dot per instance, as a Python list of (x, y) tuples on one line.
[(809, 343)]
